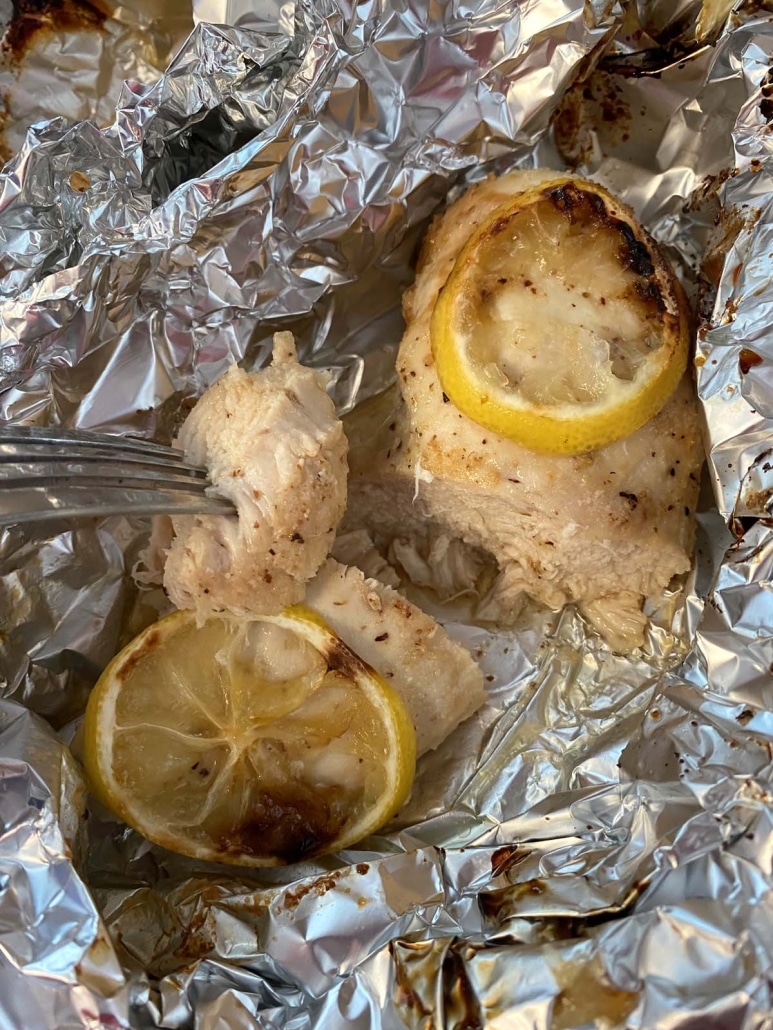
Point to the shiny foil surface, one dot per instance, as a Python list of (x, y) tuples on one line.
[(593, 848), (68, 58)]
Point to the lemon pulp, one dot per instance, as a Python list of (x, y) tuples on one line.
[(560, 326), (254, 742)]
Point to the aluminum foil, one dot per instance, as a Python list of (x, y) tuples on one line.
[(593, 848), (64, 59)]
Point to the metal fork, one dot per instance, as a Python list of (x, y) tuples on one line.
[(51, 473)]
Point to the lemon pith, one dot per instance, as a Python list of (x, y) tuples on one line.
[(560, 325), (253, 742)]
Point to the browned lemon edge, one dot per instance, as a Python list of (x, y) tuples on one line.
[(535, 428), (338, 656)]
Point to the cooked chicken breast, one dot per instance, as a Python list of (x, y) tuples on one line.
[(274, 445), (450, 499), (437, 679)]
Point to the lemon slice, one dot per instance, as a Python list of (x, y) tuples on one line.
[(254, 742), (561, 326)]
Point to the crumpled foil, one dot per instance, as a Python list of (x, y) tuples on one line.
[(67, 59), (594, 847)]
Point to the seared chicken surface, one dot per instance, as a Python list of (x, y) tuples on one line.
[(274, 445), (462, 508)]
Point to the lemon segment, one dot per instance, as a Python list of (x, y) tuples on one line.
[(560, 326), (253, 742)]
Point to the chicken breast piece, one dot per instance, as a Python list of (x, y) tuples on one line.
[(436, 678), (605, 529), (274, 445)]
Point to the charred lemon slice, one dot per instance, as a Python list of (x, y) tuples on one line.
[(254, 742), (561, 326)]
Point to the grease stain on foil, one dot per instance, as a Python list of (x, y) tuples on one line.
[(587, 997), (32, 18)]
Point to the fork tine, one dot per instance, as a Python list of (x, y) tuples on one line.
[(20, 449), (18, 477), (18, 472), (44, 504), (85, 439), (49, 473), (17, 453)]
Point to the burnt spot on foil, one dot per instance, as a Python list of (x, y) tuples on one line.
[(755, 501), (5, 151), (505, 858), (30, 18), (417, 967), (766, 98), (461, 1006), (594, 114), (318, 888), (498, 906), (748, 359)]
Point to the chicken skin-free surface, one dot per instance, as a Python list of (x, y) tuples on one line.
[(273, 444), (436, 678)]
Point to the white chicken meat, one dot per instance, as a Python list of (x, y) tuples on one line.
[(436, 678), (605, 529), (273, 445)]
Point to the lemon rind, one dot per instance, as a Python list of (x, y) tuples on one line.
[(101, 712), (567, 430)]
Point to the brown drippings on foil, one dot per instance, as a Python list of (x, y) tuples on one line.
[(318, 887), (749, 359), (417, 967), (587, 996), (766, 100), (708, 189), (500, 905), (758, 500), (199, 934), (79, 182), (461, 1007), (505, 858), (705, 199), (99, 951), (6, 153), (33, 17)]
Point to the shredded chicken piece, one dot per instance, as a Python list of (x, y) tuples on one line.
[(273, 445), (605, 529), (437, 679), (358, 549)]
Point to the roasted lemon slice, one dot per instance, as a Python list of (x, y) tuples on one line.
[(254, 742), (561, 326)]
